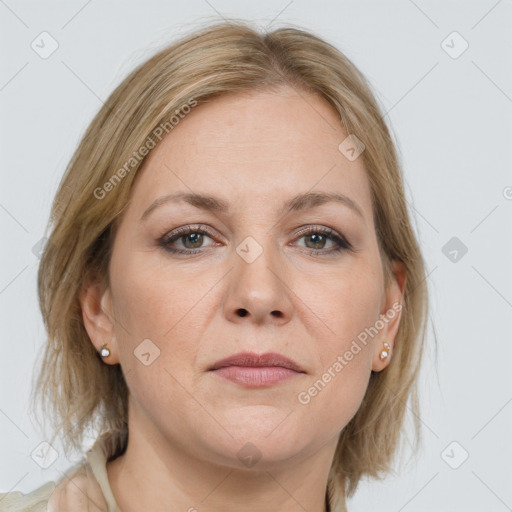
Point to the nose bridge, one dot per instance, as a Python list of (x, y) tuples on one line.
[(257, 284), (256, 260)]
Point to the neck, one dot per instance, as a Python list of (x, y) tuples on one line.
[(158, 474)]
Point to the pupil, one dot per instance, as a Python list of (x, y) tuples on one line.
[(318, 237), (195, 237)]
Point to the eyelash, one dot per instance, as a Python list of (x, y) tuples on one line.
[(342, 243)]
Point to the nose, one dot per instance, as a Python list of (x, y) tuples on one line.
[(259, 291)]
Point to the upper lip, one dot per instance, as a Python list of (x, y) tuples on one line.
[(255, 360)]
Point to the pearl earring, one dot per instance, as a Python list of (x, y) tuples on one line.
[(384, 353), (104, 351)]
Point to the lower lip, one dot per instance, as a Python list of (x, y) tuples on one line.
[(255, 377)]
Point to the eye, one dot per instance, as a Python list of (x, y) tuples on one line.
[(317, 237), (191, 237)]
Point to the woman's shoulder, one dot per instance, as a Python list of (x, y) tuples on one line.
[(35, 501), (83, 487), (77, 490)]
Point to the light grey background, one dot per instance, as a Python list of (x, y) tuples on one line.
[(452, 118)]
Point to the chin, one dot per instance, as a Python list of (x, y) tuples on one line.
[(260, 447)]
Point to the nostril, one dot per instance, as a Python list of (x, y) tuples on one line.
[(242, 312)]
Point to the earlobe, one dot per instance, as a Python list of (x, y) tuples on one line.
[(95, 301), (390, 318)]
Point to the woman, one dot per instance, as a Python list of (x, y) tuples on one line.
[(233, 292)]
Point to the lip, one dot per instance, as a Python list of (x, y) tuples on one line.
[(257, 360), (256, 370)]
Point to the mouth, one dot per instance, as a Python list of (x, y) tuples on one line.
[(256, 370)]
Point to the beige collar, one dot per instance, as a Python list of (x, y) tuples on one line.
[(97, 458)]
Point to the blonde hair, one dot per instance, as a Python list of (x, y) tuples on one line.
[(225, 57)]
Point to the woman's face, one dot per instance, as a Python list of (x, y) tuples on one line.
[(259, 271)]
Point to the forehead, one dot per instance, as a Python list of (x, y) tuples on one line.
[(258, 147)]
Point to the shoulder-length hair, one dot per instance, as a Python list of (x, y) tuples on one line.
[(222, 58)]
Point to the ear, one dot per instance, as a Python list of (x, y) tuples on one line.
[(390, 316), (96, 303)]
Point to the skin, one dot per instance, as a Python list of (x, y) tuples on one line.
[(186, 424)]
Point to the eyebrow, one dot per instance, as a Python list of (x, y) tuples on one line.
[(298, 203)]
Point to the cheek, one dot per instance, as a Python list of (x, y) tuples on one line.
[(348, 307), (343, 305), (167, 306), (335, 395), (149, 298), (335, 391)]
